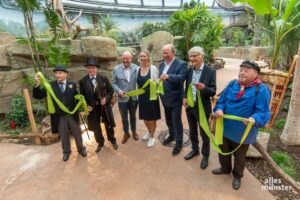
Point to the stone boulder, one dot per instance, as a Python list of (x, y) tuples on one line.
[(10, 84), (4, 60), (154, 43), (100, 47), (6, 38), (19, 49), (263, 139)]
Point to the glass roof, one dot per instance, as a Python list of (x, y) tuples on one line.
[(135, 3)]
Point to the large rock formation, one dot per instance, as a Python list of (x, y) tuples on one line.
[(6, 38), (154, 44), (15, 61)]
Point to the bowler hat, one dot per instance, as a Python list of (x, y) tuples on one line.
[(60, 68), (91, 61), (250, 64)]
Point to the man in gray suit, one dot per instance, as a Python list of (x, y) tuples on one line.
[(124, 80)]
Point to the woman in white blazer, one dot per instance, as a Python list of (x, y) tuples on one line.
[(149, 110)]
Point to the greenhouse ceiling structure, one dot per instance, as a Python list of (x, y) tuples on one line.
[(143, 7)]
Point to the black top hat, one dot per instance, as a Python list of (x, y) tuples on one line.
[(91, 61), (250, 64), (60, 68)]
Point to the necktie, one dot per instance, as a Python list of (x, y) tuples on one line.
[(61, 87)]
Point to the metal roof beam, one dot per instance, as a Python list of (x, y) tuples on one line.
[(142, 2), (116, 2), (163, 3)]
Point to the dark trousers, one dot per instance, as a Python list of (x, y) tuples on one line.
[(174, 123), (193, 120), (239, 158), (131, 107), (67, 123), (94, 120)]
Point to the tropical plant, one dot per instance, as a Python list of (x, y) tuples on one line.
[(283, 20), (130, 37), (19, 112), (56, 53), (28, 7), (198, 28), (150, 27), (109, 27), (189, 5), (234, 36)]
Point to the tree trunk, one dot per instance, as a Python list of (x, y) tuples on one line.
[(291, 131)]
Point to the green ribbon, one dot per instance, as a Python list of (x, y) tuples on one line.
[(51, 96), (218, 138), (155, 88)]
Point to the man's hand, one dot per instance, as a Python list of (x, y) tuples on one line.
[(90, 108), (199, 86), (122, 93), (219, 113), (164, 77), (103, 101), (37, 80), (184, 103), (250, 119)]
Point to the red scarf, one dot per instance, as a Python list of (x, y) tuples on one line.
[(252, 83)]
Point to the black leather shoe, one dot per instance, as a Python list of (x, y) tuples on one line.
[(236, 183), (83, 152), (114, 145), (191, 155), (168, 140), (204, 162), (176, 150), (219, 171), (99, 147), (66, 157)]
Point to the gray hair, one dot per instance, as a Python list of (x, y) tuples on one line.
[(197, 49)]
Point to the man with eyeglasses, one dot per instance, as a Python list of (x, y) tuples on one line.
[(203, 78)]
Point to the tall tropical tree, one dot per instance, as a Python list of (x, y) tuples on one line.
[(28, 7), (291, 131), (198, 27)]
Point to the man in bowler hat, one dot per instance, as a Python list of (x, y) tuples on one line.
[(98, 93), (62, 122)]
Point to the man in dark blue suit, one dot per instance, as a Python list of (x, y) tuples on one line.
[(172, 72)]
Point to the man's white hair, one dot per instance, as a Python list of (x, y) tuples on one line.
[(196, 49)]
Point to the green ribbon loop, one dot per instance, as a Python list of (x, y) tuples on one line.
[(153, 91), (51, 96), (218, 138), (190, 96), (160, 87)]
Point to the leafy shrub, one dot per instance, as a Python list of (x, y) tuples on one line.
[(149, 28), (280, 123), (285, 162), (19, 112)]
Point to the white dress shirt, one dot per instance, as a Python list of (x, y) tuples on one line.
[(167, 66)]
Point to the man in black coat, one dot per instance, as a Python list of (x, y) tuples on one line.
[(62, 122), (203, 78), (98, 93)]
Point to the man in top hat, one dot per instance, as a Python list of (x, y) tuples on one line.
[(249, 98), (98, 93), (62, 122)]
